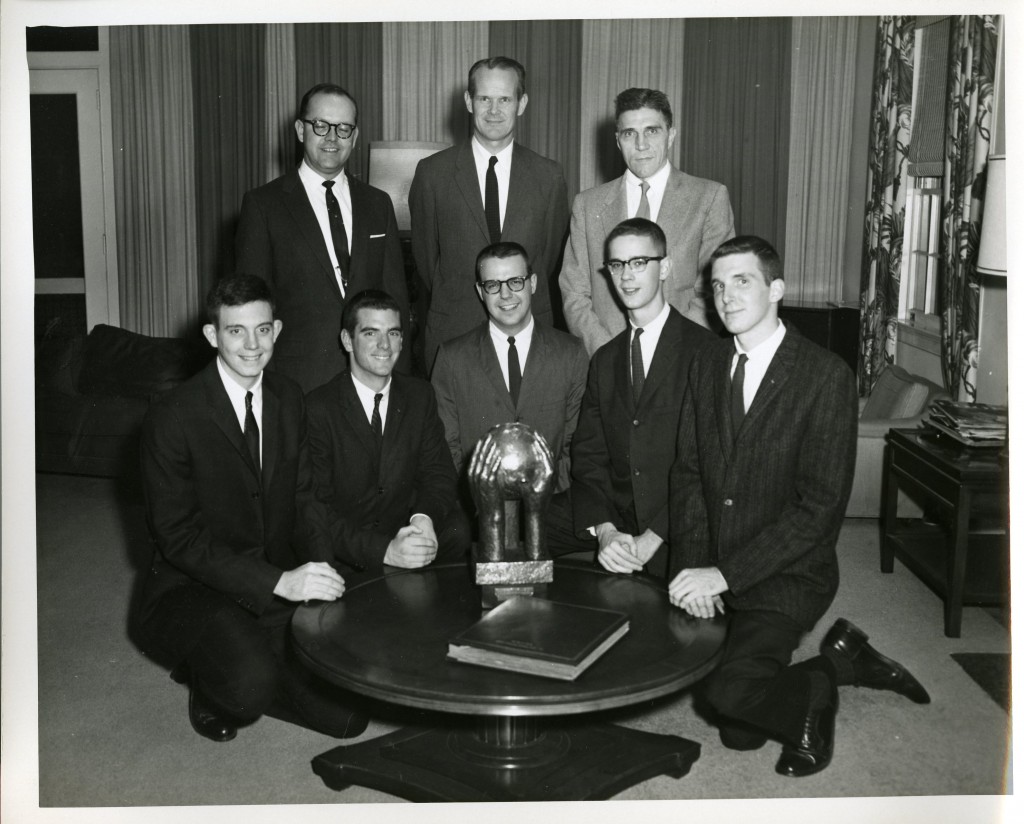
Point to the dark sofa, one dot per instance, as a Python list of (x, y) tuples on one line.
[(92, 393)]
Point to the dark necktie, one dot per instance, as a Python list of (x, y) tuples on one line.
[(252, 432), (338, 234), (515, 374), (637, 360), (644, 209), (492, 209), (738, 410), (375, 421)]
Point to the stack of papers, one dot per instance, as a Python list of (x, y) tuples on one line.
[(974, 424)]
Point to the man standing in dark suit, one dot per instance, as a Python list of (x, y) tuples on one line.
[(379, 454), (623, 447), (316, 235), (239, 538), (479, 192), (694, 213), (509, 369), (765, 456)]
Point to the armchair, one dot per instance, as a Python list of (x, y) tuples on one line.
[(898, 400)]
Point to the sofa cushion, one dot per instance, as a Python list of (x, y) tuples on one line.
[(122, 364), (896, 394)]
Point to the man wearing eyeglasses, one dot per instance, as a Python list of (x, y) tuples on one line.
[(510, 368), (317, 235), (694, 213), (488, 189), (625, 440)]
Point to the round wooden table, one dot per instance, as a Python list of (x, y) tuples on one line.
[(387, 638)]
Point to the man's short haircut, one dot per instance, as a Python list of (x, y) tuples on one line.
[(325, 88), (632, 99), (506, 63), (502, 251), (767, 257), (237, 290), (638, 227), (367, 299)]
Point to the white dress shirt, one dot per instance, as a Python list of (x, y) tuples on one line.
[(317, 194), (758, 360), (366, 394), (523, 341), (502, 170), (236, 394), (649, 339), (655, 194)]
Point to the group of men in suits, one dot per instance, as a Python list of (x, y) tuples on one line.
[(723, 464)]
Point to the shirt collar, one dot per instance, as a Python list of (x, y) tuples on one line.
[(656, 181), (236, 392), (483, 156), (653, 328), (767, 348), (313, 179), (366, 394), (523, 337)]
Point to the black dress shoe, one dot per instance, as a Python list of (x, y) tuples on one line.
[(813, 751), (870, 667), (206, 721)]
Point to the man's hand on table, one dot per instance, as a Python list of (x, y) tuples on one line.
[(315, 581), (698, 591)]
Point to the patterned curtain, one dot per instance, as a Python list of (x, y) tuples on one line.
[(970, 85), (887, 196)]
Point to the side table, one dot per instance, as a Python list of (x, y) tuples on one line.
[(955, 483)]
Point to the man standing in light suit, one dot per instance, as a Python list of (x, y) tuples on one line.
[(694, 214)]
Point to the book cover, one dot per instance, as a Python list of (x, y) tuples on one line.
[(540, 637)]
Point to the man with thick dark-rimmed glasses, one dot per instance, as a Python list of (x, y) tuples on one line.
[(317, 235)]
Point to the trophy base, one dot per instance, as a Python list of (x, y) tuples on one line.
[(513, 576)]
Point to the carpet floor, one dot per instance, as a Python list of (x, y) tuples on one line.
[(113, 730)]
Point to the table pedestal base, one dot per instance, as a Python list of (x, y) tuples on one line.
[(507, 759)]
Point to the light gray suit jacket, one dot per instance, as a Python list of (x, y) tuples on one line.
[(472, 396), (696, 216)]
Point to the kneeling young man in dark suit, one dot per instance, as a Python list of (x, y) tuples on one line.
[(239, 537), (625, 439), (764, 464), (379, 453)]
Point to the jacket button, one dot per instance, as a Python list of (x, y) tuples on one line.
[(636, 423), (380, 490), (636, 472), (255, 496), (728, 502)]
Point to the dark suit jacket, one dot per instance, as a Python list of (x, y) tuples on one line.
[(621, 454), (449, 230), (279, 239), (767, 510), (212, 518), (472, 397), (696, 216), (368, 506)]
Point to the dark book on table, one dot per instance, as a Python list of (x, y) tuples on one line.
[(539, 637)]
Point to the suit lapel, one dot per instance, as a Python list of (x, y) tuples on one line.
[(469, 184), (223, 414), (271, 445), (490, 366), (666, 356), (536, 362), (779, 371), (723, 395), (360, 235), (392, 426), (297, 203), (521, 189), (355, 416), (613, 211)]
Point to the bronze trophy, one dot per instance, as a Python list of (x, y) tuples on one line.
[(510, 476)]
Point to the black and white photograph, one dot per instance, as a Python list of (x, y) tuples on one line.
[(492, 407)]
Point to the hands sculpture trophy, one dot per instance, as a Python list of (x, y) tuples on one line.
[(510, 475)]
